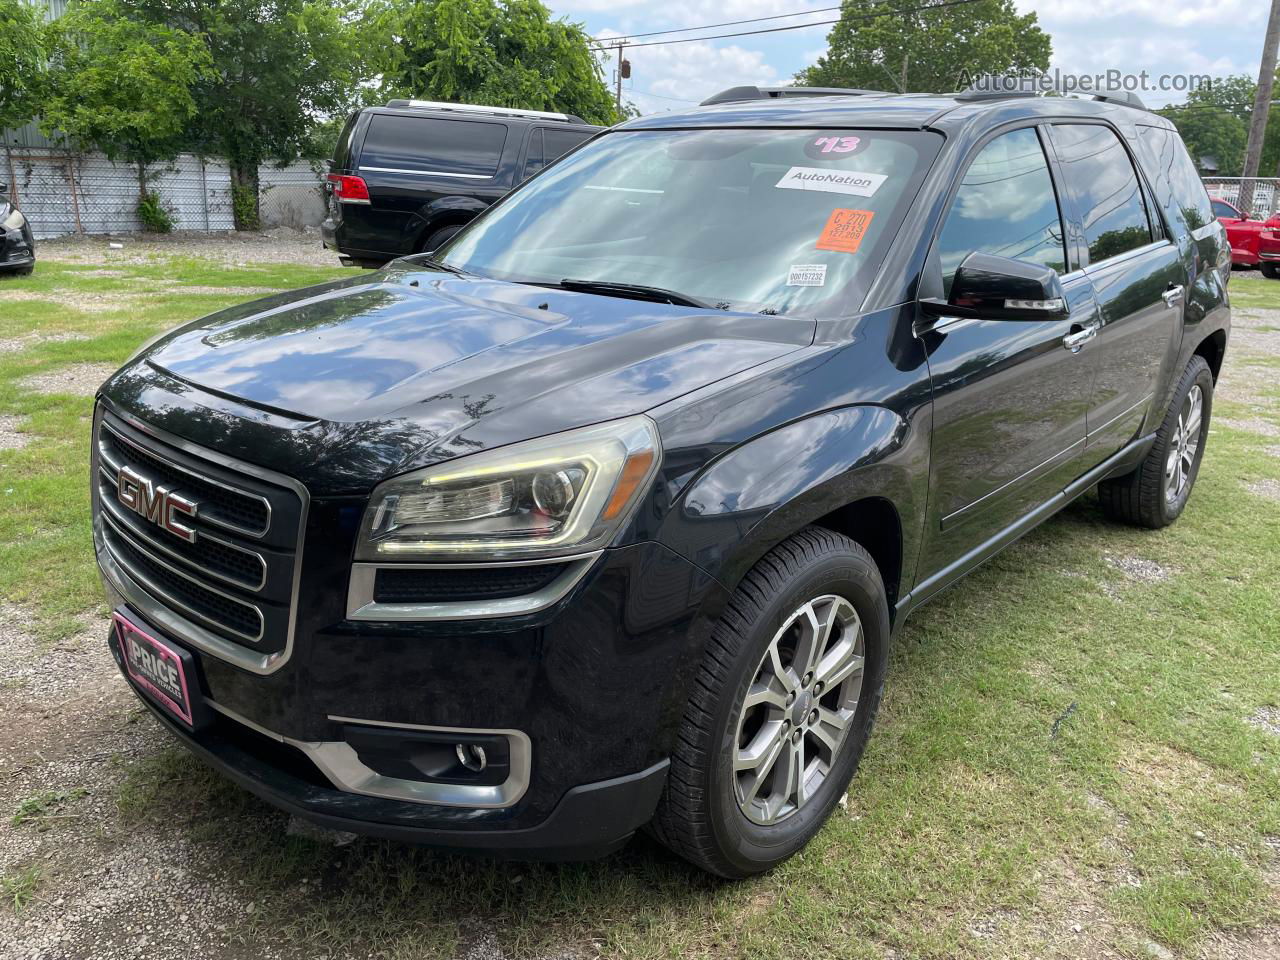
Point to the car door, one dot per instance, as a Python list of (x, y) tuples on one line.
[(1138, 274), (1009, 397)]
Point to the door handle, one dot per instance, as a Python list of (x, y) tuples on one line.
[(1172, 296), (1079, 336)]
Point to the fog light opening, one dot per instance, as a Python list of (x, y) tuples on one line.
[(472, 756)]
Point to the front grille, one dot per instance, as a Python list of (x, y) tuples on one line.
[(457, 584), (234, 582)]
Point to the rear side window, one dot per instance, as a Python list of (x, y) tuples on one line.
[(455, 148), (1101, 177), (559, 142), (1178, 187), (342, 149), (1005, 207), (533, 161)]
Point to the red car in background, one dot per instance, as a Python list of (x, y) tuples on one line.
[(1254, 243)]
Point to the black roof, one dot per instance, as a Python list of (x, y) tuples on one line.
[(911, 111)]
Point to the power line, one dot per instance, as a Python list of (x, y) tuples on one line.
[(711, 26), (797, 26)]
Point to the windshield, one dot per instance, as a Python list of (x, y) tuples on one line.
[(789, 221)]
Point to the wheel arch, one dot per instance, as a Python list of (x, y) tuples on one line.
[(442, 212), (1212, 348), (859, 471)]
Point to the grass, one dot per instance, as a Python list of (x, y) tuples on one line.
[(44, 805), (1061, 746), (18, 887)]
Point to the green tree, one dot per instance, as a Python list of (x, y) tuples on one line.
[(24, 52), (1214, 122), (279, 66), (123, 86), (892, 45), (505, 53)]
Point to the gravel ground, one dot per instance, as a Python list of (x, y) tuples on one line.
[(79, 379), (10, 437), (279, 245)]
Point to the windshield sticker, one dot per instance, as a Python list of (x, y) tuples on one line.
[(831, 147), (831, 181), (807, 275), (844, 230)]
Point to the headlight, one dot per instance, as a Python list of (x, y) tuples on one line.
[(554, 496), (13, 221)]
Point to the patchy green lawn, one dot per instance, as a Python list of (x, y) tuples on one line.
[(1078, 755)]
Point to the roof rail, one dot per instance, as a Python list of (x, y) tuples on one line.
[(735, 94), (1122, 97), (1000, 86), (478, 108)]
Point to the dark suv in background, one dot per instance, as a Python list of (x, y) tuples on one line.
[(605, 513), (406, 177)]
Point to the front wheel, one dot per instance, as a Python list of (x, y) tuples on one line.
[(781, 707), (1155, 494), (1271, 270)]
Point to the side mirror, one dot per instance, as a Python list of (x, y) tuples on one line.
[(998, 288)]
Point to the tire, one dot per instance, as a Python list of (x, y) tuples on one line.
[(701, 815), (1270, 270), (1145, 497), (436, 239)]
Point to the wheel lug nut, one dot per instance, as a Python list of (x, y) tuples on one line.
[(795, 737), (817, 688), (813, 716), (808, 678), (786, 724), (791, 698)]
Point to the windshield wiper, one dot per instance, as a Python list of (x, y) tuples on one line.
[(639, 291), (441, 265)]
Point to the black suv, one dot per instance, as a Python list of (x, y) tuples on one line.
[(17, 243), (605, 514), (406, 177)]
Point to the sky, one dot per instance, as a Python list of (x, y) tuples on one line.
[(1161, 36)]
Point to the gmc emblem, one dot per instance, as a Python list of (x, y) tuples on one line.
[(155, 503)]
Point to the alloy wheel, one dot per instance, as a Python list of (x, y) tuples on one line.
[(1185, 443), (798, 709)]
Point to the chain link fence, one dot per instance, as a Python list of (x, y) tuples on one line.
[(64, 193), (1255, 197)]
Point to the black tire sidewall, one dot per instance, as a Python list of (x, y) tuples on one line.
[(749, 847)]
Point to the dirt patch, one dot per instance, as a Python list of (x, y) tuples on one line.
[(1268, 488), (1138, 569), (237, 249), (1260, 944), (78, 380), (245, 292), (10, 437), (1263, 428), (27, 341), (1267, 719)]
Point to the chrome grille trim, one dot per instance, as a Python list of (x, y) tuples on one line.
[(207, 518), (113, 508), (127, 587), (118, 530)]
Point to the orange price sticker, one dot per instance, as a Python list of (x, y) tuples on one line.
[(844, 230)]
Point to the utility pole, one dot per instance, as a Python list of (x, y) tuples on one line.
[(618, 92), (1261, 107)]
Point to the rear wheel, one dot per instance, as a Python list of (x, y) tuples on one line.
[(1156, 493), (781, 709), (437, 239)]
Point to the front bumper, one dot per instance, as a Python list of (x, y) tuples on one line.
[(590, 820), (594, 683), (17, 249)]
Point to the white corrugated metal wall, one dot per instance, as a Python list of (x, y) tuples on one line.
[(103, 196)]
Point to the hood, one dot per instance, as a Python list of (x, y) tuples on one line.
[(454, 364)]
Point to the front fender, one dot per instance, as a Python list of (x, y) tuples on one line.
[(748, 500)]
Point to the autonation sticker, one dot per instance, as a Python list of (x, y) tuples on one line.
[(831, 181)]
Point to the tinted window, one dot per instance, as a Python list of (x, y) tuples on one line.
[(342, 149), (1100, 175), (560, 142), (533, 161), (1005, 206), (1223, 209), (458, 147), (1178, 187)]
